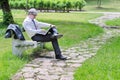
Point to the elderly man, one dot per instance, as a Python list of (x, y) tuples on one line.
[(36, 33)]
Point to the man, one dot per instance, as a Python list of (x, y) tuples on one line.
[(36, 33)]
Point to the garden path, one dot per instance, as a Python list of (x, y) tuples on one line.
[(51, 69)]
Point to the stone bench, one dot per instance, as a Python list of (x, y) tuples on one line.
[(19, 44)]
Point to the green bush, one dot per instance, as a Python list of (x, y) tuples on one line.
[(68, 6), (57, 5), (40, 4), (82, 3)]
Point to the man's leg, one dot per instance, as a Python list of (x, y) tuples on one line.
[(47, 38), (57, 50), (55, 33), (53, 30), (42, 38)]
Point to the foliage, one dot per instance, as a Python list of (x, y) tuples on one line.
[(104, 65), (57, 5)]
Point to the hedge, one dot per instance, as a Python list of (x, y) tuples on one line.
[(48, 5)]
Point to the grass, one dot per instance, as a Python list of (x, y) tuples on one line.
[(9, 63), (107, 6), (114, 22), (74, 27), (104, 66)]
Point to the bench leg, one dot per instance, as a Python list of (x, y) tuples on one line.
[(17, 50)]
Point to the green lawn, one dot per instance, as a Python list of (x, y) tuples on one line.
[(74, 27), (104, 65), (114, 22), (9, 64), (107, 6)]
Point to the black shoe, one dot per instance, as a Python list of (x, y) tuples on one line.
[(56, 36), (61, 57)]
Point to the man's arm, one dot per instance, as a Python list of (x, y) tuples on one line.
[(42, 24), (28, 27), (31, 31)]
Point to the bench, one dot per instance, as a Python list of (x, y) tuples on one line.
[(19, 43)]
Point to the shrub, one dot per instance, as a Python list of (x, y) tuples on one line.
[(57, 5)]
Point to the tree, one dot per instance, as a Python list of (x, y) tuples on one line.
[(7, 15), (41, 5), (27, 1), (68, 6), (99, 3)]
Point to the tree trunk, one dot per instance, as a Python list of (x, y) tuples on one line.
[(98, 3), (7, 15), (27, 7), (27, 4)]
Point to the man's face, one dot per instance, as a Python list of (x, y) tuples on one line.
[(33, 16)]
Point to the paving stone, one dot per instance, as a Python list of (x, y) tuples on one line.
[(42, 72), (74, 61), (29, 79), (27, 69), (17, 76), (36, 70), (76, 65), (32, 65), (54, 77), (68, 69), (61, 64), (47, 77), (28, 75), (52, 72), (87, 56), (42, 77), (66, 77), (46, 64)]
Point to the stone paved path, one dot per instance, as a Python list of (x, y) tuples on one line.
[(52, 69)]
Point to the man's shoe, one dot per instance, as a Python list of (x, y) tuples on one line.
[(61, 57), (56, 36)]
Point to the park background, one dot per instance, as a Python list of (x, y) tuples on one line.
[(69, 16)]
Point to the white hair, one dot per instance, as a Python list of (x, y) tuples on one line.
[(32, 11)]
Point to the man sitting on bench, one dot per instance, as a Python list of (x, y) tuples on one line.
[(36, 33)]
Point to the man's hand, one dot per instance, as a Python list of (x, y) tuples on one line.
[(52, 26)]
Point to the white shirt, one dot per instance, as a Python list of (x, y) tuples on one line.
[(30, 27)]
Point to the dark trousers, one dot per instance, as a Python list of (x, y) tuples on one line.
[(48, 38)]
